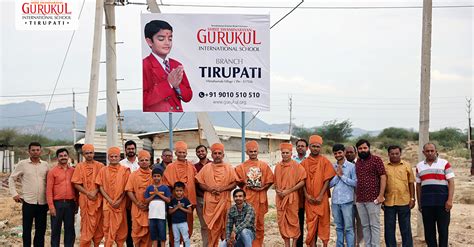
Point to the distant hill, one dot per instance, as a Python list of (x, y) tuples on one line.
[(356, 132), (27, 117)]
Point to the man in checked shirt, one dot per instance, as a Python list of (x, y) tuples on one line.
[(240, 228)]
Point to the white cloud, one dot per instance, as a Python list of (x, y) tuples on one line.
[(288, 84), (440, 76)]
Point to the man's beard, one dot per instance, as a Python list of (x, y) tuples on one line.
[(364, 155), (130, 154)]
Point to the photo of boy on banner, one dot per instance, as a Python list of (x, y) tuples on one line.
[(165, 83)]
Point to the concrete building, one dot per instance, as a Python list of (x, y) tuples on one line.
[(231, 138)]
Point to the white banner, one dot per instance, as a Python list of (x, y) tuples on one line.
[(207, 62), (46, 14)]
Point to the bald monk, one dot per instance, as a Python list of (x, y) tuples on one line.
[(112, 180), (319, 172), (184, 171), (217, 180), (90, 200), (255, 177), (289, 179), (137, 183)]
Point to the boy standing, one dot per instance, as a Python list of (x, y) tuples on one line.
[(179, 208), (157, 195)]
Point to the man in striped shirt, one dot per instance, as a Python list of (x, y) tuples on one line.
[(435, 190)]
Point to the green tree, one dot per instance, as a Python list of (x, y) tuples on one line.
[(449, 137), (331, 131), (336, 132), (12, 137), (303, 132), (7, 136), (398, 133)]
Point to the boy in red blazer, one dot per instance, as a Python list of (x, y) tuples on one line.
[(165, 84)]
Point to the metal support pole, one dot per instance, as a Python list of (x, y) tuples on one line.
[(95, 68), (170, 128), (74, 127), (243, 136)]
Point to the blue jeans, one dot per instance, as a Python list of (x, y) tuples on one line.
[(243, 239), (181, 229), (390, 214), (343, 218)]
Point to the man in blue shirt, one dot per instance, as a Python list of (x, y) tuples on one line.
[(344, 184)]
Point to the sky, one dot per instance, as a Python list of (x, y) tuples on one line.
[(336, 64)]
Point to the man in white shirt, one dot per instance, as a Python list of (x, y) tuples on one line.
[(130, 161), (32, 175)]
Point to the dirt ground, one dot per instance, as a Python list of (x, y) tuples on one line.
[(461, 227)]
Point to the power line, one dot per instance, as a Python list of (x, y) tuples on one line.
[(59, 94), (60, 71), (302, 94), (307, 7), (370, 98), (287, 14)]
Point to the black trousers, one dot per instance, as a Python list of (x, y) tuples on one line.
[(65, 211), (299, 242), (39, 214), (390, 219), (436, 217), (129, 232)]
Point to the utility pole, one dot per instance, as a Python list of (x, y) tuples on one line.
[(290, 107), (120, 119), (94, 77), (468, 104), (469, 134), (111, 69), (74, 116), (424, 124)]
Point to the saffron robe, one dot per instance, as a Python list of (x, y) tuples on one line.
[(318, 169), (85, 174), (288, 175), (113, 179), (137, 183), (258, 199), (216, 206)]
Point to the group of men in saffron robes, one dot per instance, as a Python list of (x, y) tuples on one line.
[(105, 190)]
